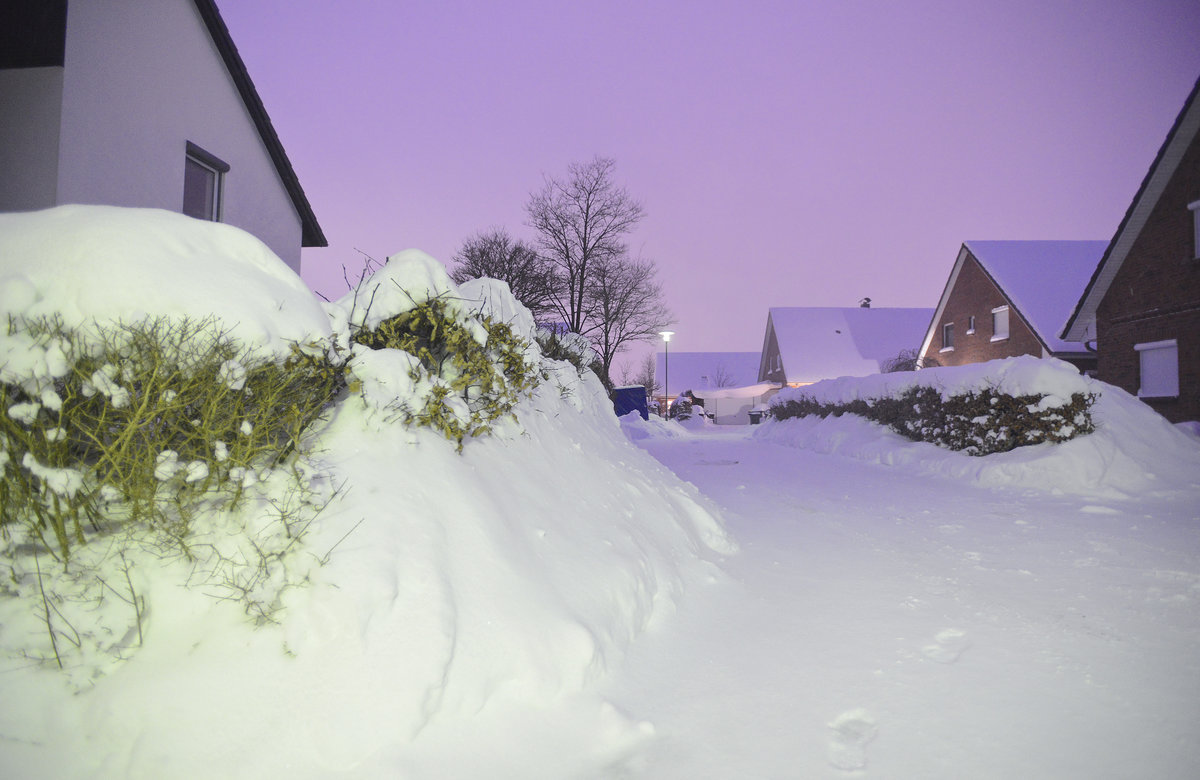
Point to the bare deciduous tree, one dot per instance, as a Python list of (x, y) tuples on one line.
[(721, 377), (908, 360), (581, 221), (642, 375), (625, 304), (494, 253)]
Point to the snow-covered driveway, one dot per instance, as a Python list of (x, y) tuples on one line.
[(881, 624)]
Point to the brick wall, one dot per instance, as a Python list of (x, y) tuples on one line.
[(975, 294), (1156, 296)]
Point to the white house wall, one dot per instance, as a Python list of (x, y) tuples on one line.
[(143, 77), (29, 130)]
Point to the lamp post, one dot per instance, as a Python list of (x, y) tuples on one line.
[(666, 337)]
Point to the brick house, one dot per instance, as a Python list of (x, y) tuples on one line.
[(1009, 298), (142, 103), (1142, 305)]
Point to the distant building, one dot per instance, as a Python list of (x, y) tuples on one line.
[(698, 371), (1141, 306), (142, 103), (736, 405), (724, 382), (1009, 298), (803, 345)]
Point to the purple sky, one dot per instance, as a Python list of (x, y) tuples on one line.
[(787, 153)]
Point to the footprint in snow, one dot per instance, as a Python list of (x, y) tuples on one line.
[(852, 730), (947, 646)]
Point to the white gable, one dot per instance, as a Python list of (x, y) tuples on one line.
[(138, 81)]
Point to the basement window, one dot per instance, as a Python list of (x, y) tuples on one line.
[(1000, 323), (947, 337), (1159, 369), (203, 184)]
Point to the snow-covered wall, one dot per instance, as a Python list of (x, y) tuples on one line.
[(142, 78)]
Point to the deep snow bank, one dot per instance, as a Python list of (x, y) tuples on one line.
[(89, 264), (1133, 450), (442, 588)]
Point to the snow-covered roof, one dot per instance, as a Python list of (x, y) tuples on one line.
[(1043, 279), (749, 391), (698, 371), (818, 343)]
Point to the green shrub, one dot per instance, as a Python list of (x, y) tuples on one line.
[(980, 422), (114, 441), (470, 371), (141, 422)]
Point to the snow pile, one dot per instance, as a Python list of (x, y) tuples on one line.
[(448, 595), (655, 427), (89, 264), (1132, 451)]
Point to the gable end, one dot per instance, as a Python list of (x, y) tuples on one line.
[(1080, 325), (311, 233)]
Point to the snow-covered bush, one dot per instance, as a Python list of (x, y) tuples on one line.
[(682, 408), (573, 348), (468, 373), (156, 372), (977, 421), (142, 422), (465, 369)]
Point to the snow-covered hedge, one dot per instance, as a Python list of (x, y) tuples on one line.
[(399, 586), (154, 370), (452, 366), (978, 422), (934, 406), (1133, 451), (139, 423)]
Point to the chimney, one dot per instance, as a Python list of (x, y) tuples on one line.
[(865, 303)]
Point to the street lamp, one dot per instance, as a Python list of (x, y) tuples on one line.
[(666, 336)]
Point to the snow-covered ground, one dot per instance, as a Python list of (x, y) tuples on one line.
[(887, 623), (824, 599)]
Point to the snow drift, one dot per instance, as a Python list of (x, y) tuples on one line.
[(104, 263), (442, 589)]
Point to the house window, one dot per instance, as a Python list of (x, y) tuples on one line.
[(1159, 365), (971, 325), (1000, 323), (203, 181), (947, 337), (1194, 207)]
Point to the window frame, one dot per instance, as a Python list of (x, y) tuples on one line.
[(971, 325), (211, 164), (1170, 387), (1005, 310), (947, 337)]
